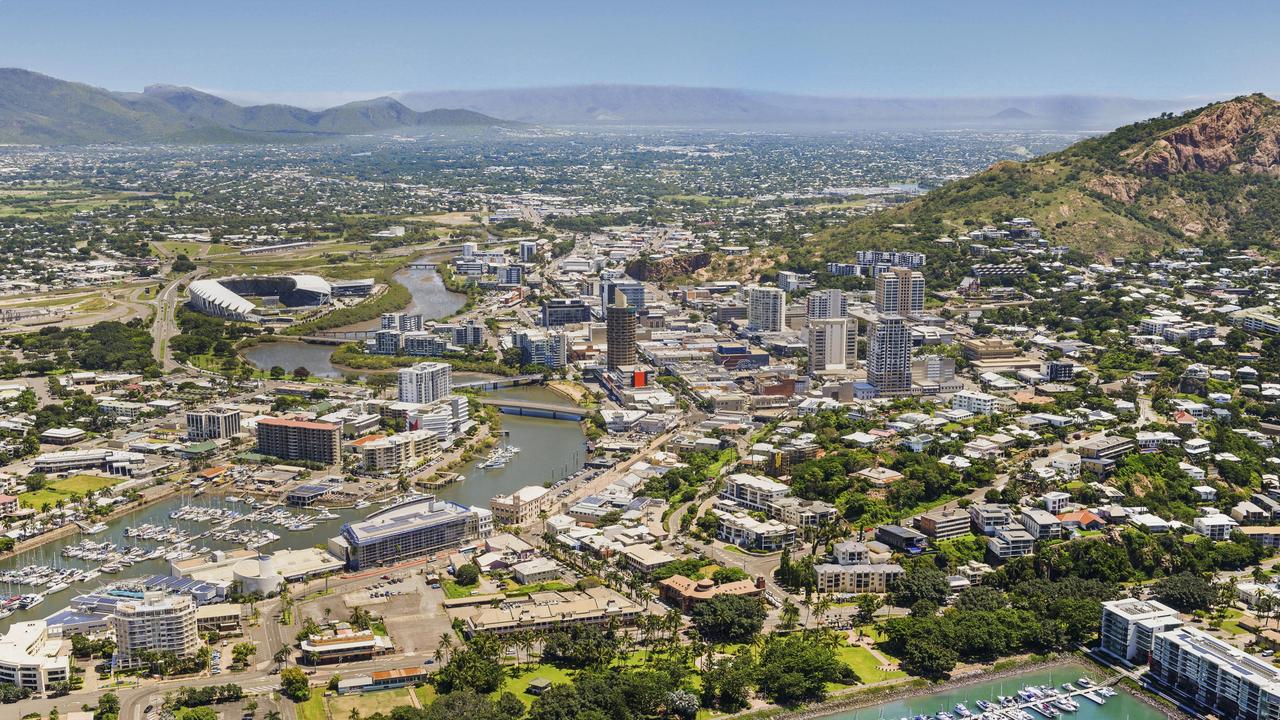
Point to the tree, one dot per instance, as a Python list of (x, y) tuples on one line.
[(921, 583), (200, 713), (294, 685), (729, 618), (729, 574), (726, 682), (682, 704), (867, 605), (795, 669), (929, 658), (468, 574), (1186, 592), (108, 707)]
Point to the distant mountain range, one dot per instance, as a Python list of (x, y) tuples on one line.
[(36, 108), (649, 105)]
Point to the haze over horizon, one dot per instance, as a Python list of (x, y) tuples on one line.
[(319, 54)]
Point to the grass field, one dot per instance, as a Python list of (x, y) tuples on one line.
[(865, 664), (62, 489), (519, 684), (368, 703), (453, 590), (313, 708)]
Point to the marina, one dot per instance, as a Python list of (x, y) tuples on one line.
[(189, 524), (1066, 691)]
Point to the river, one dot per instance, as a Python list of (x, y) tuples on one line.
[(550, 450), (430, 299), (1122, 706)]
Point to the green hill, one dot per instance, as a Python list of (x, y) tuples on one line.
[(1207, 176), (36, 108)]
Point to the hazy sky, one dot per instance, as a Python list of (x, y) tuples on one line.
[(321, 50)]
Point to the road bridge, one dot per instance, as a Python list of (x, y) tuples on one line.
[(536, 409)]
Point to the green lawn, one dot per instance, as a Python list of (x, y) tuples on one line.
[(382, 701), (62, 489), (519, 684), (313, 708), (517, 589), (865, 664), (426, 694), (454, 591)]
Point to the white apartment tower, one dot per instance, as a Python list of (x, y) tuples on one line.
[(826, 304), (425, 382), (889, 356), (766, 309), (159, 622), (828, 344)]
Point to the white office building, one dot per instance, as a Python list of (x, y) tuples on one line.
[(766, 309), (212, 423), (828, 344), (30, 659), (978, 403)]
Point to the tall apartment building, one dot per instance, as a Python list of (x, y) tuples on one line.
[(766, 309), (828, 344), (158, 622), (1217, 678), (565, 311), (826, 304), (212, 423), (889, 356), (300, 440), (425, 382), (620, 333), (630, 289), (1129, 626), (528, 250), (900, 291), (540, 347), (400, 321)]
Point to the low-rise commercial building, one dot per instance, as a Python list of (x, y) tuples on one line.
[(409, 530), (30, 659)]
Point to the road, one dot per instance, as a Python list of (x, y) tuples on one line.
[(165, 325)]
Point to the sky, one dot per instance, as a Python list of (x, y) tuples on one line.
[(319, 52)]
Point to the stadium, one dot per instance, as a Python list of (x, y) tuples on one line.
[(226, 297)]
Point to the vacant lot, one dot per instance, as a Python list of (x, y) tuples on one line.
[(63, 489)]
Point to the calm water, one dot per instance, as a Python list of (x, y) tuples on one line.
[(1121, 707), (550, 450), (290, 354), (430, 300)]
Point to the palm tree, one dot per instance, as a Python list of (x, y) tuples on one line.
[(789, 615), (445, 650), (282, 656)]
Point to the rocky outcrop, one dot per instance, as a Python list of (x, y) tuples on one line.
[(1214, 141), (1115, 187), (677, 266)]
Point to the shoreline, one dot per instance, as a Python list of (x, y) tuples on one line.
[(910, 688), (166, 490)]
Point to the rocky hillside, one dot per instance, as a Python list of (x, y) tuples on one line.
[(39, 109), (1207, 176)]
